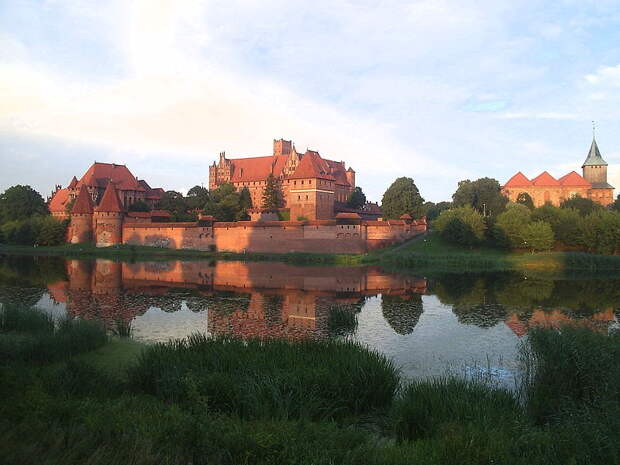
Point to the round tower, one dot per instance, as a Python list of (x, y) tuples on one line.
[(109, 218), (81, 226)]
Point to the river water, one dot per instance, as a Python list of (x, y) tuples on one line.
[(463, 323)]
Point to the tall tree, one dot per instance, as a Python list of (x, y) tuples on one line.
[(139, 206), (197, 196), (483, 194), (582, 205), (402, 197), (20, 203), (176, 204), (525, 199), (271, 194), (357, 198), (433, 210), (616, 205)]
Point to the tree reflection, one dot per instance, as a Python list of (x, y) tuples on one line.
[(481, 315), (402, 312)]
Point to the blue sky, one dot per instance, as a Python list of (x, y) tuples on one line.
[(437, 90)]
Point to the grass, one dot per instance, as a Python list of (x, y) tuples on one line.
[(342, 321), (224, 401)]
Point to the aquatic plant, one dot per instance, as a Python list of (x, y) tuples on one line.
[(342, 320)]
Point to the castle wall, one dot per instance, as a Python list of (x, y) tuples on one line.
[(80, 228), (108, 229), (557, 194)]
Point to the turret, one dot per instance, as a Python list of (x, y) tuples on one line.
[(109, 218), (282, 147), (81, 226), (595, 168), (351, 177)]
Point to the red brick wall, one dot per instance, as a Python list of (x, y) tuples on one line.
[(80, 228)]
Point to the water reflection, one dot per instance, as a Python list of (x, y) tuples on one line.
[(462, 320)]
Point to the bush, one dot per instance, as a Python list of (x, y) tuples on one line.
[(600, 232), (270, 378), (538, 236), (462, 226), (508, 229), (41, 230), (582, 205)]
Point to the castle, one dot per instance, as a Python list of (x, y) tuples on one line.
[(96, 179), (544, 188), (311, 187)]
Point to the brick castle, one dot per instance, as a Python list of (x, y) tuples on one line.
[(311, 186), (544, 188)]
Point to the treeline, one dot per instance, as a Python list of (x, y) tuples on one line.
[(25, 219), (481, 215)]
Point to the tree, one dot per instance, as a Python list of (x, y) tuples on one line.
[(563, 221), (508, 229), (226, 204), (197, 196), (139, 206), (582, 205), (432, 210), (176, 204), (357, 198), (245, 199), (600, 232), (462, 226), (402, 197), (538, 235), (616, 205), (20, 203), (51, 231), (483, 194), (271, 194), (524, 199)]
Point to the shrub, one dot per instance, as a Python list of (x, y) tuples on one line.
[(582, 205), (538, 236), (508, 229), (462, 226), (600, 232)]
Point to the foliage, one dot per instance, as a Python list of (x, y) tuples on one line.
[(564, 222), (197, 197), (537, 236), (600, 232), (69, 205), (139, 206), (272, 197), (342, 320), (42, 230), (245, 199), (525, 199), (583, 205), (616, 205), (462, 226), (483, 194), (357, 198), (432, 210), (226, 204), (509, 226), (19, 203), (176, 204), (284, 215), (402, 197)]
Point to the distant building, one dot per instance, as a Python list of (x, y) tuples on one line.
[(544, 188), (311, 186), (96, 179)]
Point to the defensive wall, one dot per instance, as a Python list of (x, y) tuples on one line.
[(344, 235)]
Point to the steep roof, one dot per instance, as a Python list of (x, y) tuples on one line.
[(110, 201), (594, 157), (574, 179), (545, 179), (518, 180), (83, 204), (73, 183), (255, 169), (59, 200), (312, 166), (100, 174)]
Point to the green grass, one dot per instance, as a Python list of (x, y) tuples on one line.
[(342, 321)]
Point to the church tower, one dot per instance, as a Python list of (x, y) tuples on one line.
[(595, 172)]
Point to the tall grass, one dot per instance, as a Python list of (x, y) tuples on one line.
[(269, 378), (342, 321)]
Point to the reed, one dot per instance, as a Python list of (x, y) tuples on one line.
[(342, 321)]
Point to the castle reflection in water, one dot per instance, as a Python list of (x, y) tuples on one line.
[(270, 299)]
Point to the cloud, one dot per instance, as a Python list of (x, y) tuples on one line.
[(544, 115)]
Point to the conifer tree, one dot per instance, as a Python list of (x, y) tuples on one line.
[(271, 194)]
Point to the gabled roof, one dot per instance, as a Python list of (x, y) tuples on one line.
[(312, 166), (545, 179), (73, 183), (58, 201), (100, 174), (594, 157), (574, 179), (110, 201), (83, 204), (255, 169), (518, 180)]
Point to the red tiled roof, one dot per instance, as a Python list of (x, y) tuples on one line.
[(83, 204), (110, 201), (100, 174), (312, 166), (165, 213), (348, 216), (545, 179), (139, 214), (574, 179), (518, 180), (58, 201), (255, 169), (73, 183)]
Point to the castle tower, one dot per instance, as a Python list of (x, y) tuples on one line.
[(351, 177), (282, 147), (81, 227), (109, 218), (595, 172)]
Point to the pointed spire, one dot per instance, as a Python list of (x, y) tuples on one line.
[(73, 183), (594, 156), (83, 204), (110, 201)]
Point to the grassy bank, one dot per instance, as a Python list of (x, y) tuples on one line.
[(223, 401)]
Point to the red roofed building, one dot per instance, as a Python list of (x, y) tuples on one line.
[(95, 180), (312, 187), (544, 188)]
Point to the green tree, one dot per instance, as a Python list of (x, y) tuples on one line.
[(139, 206), (245, 199), (20, 203), (432, 210), (582, 205), (271, 194), (197, 196), (462, 226), (600, 232), (226, 204), (616, 205), (483, 194), (508, 229), (176, 204), (402, 197), (538, 235), (51, 231), (563, 221), (525, 199), (357, 198)]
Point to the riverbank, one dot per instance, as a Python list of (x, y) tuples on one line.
[(428, 253), (67, 398)]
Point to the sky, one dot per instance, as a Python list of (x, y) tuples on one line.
[(436, 90)]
